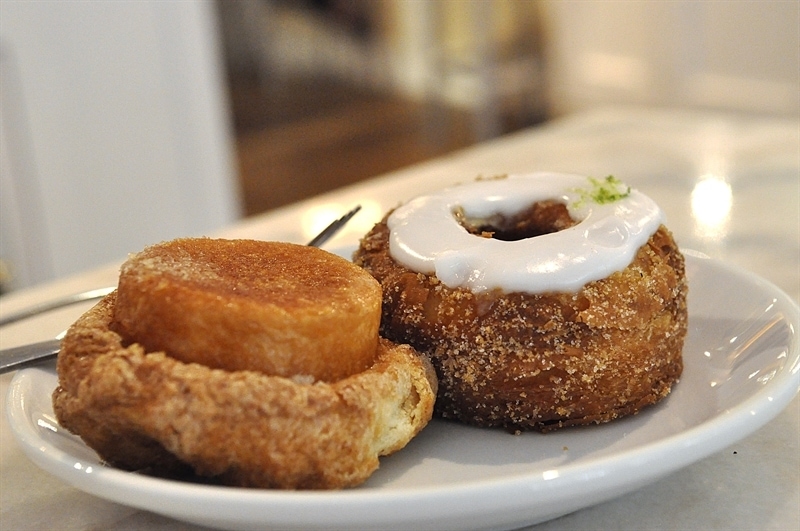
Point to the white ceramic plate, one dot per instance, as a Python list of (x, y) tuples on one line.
[(741, 370)]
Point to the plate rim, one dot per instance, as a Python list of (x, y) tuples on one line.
[(698, 442)]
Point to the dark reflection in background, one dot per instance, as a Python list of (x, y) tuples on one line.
[(318, 101)]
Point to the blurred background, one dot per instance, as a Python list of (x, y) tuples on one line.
[(126, 123)]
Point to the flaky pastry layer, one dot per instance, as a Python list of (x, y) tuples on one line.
[(148, 411)]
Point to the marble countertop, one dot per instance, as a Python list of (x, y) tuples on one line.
[(730, 188)]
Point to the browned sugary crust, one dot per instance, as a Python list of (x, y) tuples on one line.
[(146, 410), (523, 361), (280, 308)]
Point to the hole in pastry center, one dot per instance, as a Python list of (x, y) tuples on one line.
[(542, 217)]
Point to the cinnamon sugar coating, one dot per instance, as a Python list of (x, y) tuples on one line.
[(523, 361), (275, 307)]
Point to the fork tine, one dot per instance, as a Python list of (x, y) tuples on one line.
[(333, 228), (54, 305)]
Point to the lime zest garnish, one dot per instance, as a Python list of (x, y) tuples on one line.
[(603, 191)]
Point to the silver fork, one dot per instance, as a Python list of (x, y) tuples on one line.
[(25, 355)]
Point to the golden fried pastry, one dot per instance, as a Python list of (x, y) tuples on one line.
[(544, 300), (279, 308), (141, 408)]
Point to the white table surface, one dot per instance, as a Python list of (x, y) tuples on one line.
[(753, 484)]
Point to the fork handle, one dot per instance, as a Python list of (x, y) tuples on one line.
[(26, 355)]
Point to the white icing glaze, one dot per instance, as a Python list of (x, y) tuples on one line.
[(426, 237)]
